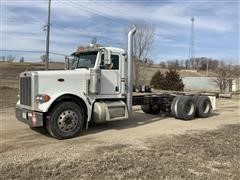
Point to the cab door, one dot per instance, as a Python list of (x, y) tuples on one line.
[(110, 76)]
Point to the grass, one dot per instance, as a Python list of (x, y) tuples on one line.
[(200, 155)]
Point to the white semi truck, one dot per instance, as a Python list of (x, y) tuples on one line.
[(98, 87)]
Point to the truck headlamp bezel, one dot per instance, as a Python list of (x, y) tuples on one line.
[(42, 98)]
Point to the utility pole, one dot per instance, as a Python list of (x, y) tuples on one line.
[(48, 36), (191, 44)]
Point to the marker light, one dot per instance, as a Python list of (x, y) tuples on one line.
[(42, 98)]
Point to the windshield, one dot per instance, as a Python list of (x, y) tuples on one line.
[(84, 60)]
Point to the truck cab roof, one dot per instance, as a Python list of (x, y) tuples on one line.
[(114, 49), (97, 48)]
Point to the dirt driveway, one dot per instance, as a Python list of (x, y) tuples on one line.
[(32, 154)]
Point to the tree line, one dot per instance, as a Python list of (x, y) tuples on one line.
[(11, 58), (224, 74), (202, 63)]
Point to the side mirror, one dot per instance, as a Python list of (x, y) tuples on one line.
[(68, 62), (107, 57)]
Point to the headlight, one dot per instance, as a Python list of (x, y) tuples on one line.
[(42, 98)]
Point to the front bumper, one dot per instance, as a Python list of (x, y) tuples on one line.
[(32, 118)]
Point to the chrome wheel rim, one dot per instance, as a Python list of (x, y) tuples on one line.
[(67, 121)]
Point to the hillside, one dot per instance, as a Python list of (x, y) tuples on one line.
[(14, 69), (11, 71), (148, 71)]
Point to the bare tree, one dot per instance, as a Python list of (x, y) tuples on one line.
[(213, 64), (176, 64), (225, 74), (3, 58), (150, 62), (43, 58), (21, 60), (236, 71), (197, 63), (143, 41), (11, 58), (182, 65), (187, 64), (163, 64)]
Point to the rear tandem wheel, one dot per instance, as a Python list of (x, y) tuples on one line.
[(183, 107)]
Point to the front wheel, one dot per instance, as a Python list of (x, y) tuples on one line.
[(65, 120)]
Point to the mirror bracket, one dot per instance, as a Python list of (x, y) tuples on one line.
[(107, 57)]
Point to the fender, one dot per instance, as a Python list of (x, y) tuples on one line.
[(85, 102)]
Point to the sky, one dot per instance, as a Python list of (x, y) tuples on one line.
[(74, 23)]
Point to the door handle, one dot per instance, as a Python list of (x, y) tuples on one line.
[(116, 88)]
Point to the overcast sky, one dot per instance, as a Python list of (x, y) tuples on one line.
[(76, 22)]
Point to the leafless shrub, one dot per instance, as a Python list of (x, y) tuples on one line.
[(224, 75), (143, 42)]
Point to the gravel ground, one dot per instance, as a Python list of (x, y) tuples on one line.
[(203, 155), (146, 147)]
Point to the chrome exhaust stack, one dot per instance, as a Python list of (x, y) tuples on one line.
[(131, 32)]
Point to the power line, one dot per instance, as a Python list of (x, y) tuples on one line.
[(59, 54), (72, 4), (104, 4), (93, 11), (77, 6)]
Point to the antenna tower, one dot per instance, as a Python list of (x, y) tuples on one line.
[(191, 44)]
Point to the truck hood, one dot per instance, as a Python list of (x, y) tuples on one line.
[(62, 73), (63, 81)]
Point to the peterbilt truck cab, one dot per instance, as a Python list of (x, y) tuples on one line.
[(93, 88), (96, 86), (69, 95)]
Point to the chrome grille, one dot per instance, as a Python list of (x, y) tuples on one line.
[(25, 91)]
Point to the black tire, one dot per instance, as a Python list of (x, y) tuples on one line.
[(151, 109), (203, 107), (195, 98), (185, 108), (65, 120), (174, 105)]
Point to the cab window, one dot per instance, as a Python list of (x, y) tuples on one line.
[(113, 66), (84, 60)]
